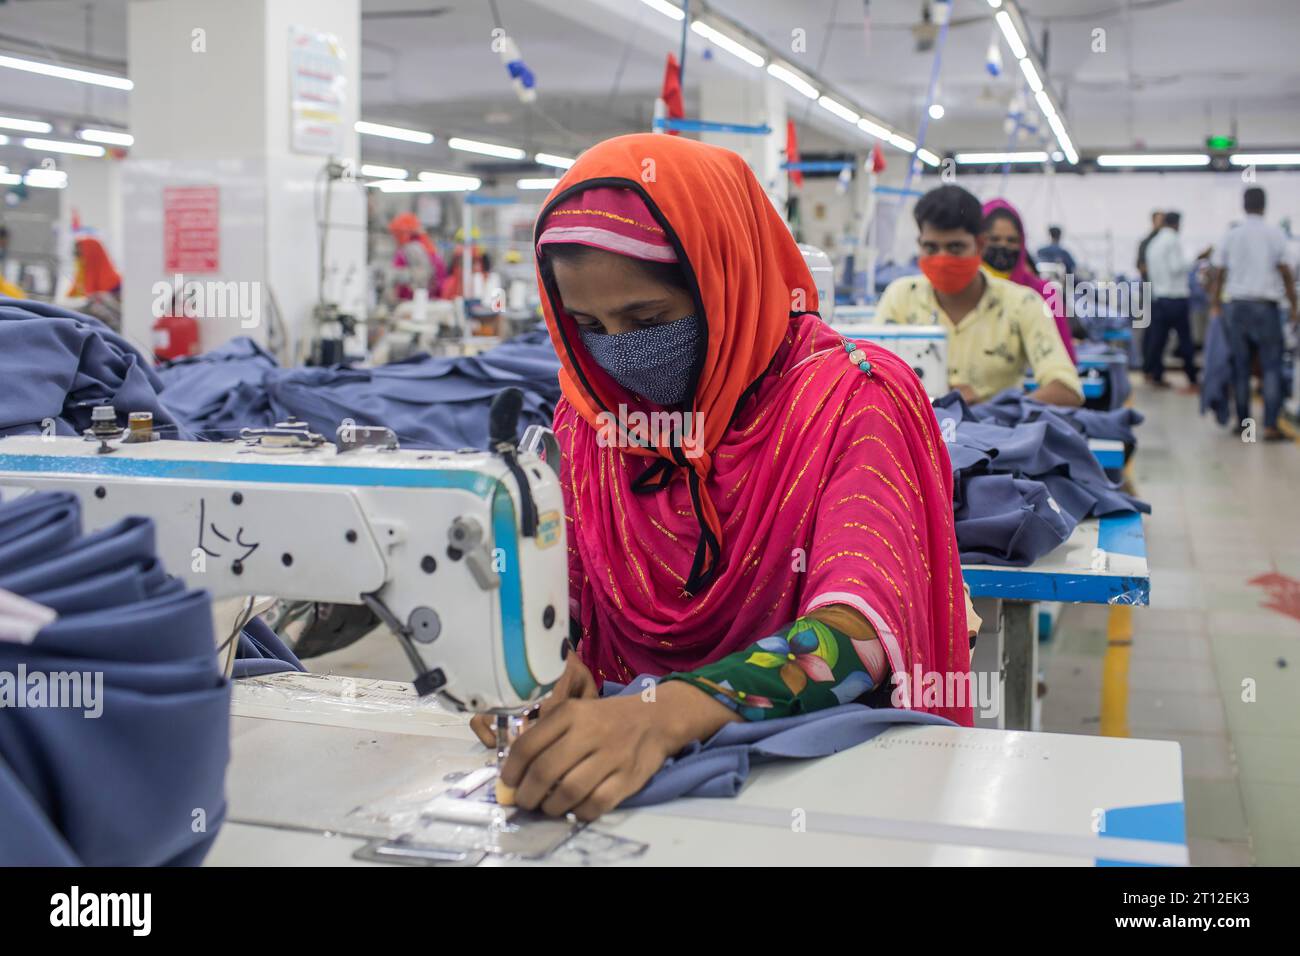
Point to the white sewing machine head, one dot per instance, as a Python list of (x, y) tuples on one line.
[(461, 554), (924, 347)]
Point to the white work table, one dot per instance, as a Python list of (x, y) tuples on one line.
[(913, 795)]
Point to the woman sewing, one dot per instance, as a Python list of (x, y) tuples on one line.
[(792, 552)]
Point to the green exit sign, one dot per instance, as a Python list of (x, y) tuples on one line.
[(1220, 142)]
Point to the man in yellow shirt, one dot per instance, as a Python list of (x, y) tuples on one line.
[(995, 328)]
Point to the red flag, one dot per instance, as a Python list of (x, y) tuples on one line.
[(877, 159), (792, 152), (672, 91)]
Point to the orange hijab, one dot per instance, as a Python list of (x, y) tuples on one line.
[(747, 275), (95, 272)]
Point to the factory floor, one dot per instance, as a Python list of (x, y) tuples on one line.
[(1209, 664), (1214, 662)]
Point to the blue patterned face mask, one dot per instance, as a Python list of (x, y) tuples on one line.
[(655, 363)]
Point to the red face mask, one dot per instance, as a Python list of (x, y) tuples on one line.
[(949, 274)]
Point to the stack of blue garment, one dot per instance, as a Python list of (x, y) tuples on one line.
[(132, 773), (428, 402), (219, 392), (57, 365), (1019, 490), (1013, 407)]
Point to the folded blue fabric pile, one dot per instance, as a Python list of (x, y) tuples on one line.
[(428, 402), (114, 715), (1013, 407), (219, 392), (57, 365), (1020, 489)]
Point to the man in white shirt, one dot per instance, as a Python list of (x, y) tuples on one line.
[(1168, 272), (1253, 275)]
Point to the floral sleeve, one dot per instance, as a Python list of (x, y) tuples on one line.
[(808, 665)]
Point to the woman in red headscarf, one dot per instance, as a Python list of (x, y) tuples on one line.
[(759, 513), (97, 282), (1006, 258), (415, 260)]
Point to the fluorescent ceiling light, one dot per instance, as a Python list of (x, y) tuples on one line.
[(24, 125), (1045, 103), (46, 178), (1063, 138), (873, 129), (4, 140), (792, 79), (393, 132), (451, 180), (902, 142), (666, 8), (995, 3), (383, 172), (10, 179), (979, 159), (1152, 159), (537, 183), (1264, 159), (550, 159), (428, 183), (58, 146), (1057, 156), (936, 111), (927, 157), (1009, 31), (66, 73), (732, 46), (486, 149), (111, 137), (838, 109), (1027, 68)]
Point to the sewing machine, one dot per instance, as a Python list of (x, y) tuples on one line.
[(924, 347), (461, 554)]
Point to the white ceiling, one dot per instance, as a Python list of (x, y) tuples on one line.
[(1172, 71)]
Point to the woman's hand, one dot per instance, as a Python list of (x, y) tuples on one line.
[(587, 756), (575, 682)]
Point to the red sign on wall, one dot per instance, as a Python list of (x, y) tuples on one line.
[(191, 228)]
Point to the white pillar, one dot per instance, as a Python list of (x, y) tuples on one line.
[(753, 98), (211, 110)]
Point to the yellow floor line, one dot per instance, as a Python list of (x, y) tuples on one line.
[(1114, 672)]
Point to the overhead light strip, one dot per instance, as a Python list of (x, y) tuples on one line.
[(66, 73), (393, 132), (1112, 160), (486, 149)]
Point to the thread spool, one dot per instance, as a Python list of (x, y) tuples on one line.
[(140, 427)]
